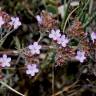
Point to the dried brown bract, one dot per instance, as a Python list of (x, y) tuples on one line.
[(29, 57), (85, 45), (48, 20), (64, 54), (7, 18), (76, 30)]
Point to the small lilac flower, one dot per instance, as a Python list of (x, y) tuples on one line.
[(63, 41), (5, 61), (93, 36), (32, 69), (80, 56), (35, 48), (39, 19), (55, 34), (15, 22), (1, 21)]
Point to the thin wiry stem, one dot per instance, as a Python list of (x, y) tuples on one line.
[(90, 6), (53, 79), (87, 2), (61, 91), (69, 17), (4, 38), (89, 20), (3, 83)]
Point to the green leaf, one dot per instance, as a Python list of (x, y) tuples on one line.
[(86, 18), (52, 9), (74, 42), (17, 43)]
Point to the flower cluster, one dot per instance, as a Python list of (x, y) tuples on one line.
[(8, 22), (64, 52), (46, 20), (33, 50), (61, 39)]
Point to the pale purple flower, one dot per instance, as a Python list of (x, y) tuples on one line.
[(63, 41), (5, 61), (39, 19), (35, 48), (80, 56), (1, 21), (32, 69), (15, 22), (55, 34), (93, 36)]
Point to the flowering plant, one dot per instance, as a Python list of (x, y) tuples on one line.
[(47, 40)]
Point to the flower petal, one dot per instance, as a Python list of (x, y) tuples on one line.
[(35, 44), (32, 74), (37, 51), (4, 57), (8, 59), (30, 47), (51, 35), (57, 31)]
